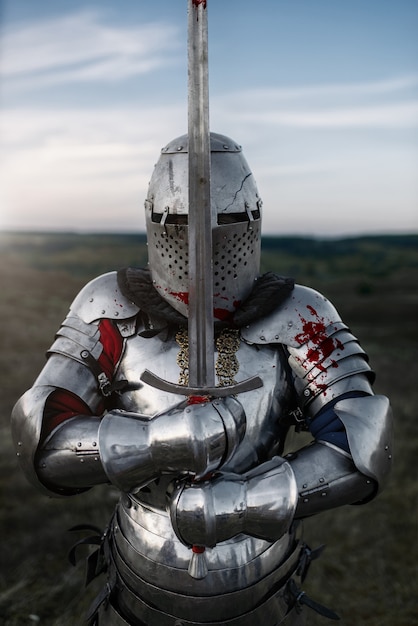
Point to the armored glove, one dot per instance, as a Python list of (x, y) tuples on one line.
[(191, 438), (260, 503)]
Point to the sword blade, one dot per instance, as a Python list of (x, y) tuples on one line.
[(201, 222), (200, 321)]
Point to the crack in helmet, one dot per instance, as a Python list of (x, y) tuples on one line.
[(236, 238)]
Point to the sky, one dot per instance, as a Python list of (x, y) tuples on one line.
[(321, 94)]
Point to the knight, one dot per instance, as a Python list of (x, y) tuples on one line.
[(208, 526)]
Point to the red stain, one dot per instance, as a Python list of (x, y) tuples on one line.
[(198, 549), (183, 296), (221, 314), (219, 296), (197, 399), (196, 3), (315, 332), (323, 388)]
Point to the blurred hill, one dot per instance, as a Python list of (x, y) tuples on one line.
[(369, 568)]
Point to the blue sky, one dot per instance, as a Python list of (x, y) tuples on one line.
[(321, 94)]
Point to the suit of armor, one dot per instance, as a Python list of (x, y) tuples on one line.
[(207, 527)]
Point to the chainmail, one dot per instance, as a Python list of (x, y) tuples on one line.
[(226, 365)]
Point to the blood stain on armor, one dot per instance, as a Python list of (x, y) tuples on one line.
[(221, 314), (315, 332), (183, 296), (196, 3)]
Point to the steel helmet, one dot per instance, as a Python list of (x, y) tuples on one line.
[(235, 237)]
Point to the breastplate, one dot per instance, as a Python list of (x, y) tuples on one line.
[(145, 546), (263, 407)]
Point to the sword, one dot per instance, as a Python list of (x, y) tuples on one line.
[(200, 223)]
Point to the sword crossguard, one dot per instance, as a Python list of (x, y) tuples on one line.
[(249, 384)]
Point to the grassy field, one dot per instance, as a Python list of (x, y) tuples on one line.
[(368, 571)]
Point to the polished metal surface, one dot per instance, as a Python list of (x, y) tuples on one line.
[(66, 373), (369, 425), (200, 220), (263, 407), (26, 425), (102, 298), (304, 313), (188, 438), (147, 543), (260, 504), (153, 438), (235, 237), (190, 606), (325, 357), (69, 459), (326, 477)]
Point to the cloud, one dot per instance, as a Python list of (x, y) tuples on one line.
[(399, 115), (386, 104), (81, 47), (389, 86)]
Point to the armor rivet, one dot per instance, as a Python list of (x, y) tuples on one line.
[(91, 300), (187, 410), (19, 443), (17, 453), (81, 460), (116, 313), (386, 447), (306, 500), (290, 324), (84, 354), (306, 392), (103, 311), (321, 480), (79, 444), (276, 336), (94, 443), (323, 494), (390, 456), (262, 338), (226, 147)]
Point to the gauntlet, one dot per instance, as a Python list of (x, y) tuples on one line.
[(260, 503)]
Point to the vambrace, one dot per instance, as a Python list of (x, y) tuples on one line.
[(28, 415), (368, 423), (328, 477), (131, 450), (69, 460), (260, 503)]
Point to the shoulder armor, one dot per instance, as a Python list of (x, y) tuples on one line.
[(368, 423), (326, 359), (102, 298), (291, 324)]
